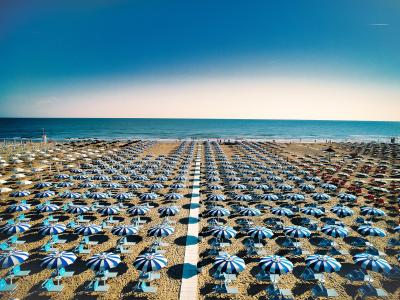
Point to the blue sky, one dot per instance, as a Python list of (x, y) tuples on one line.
[(51, 46)]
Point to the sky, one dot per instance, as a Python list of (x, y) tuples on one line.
[(289, 59)]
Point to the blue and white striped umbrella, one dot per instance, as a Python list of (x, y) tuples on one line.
[(312, 211), (274, 264), (223, 232), (329, 187), (161, 230), (11, 229), (263, 187), (111, 185), (342, 211), (97, 195), (218, 211), (108, 210), (281, 211), (168, 211), (18, 194), (77, 209), (173, 196), (103, 261), (242, 197), (148, 196), (47, 207), (296, 231), (42, 185), (124, 230), (18, 207), (177, 186), (45, 194), (215, 197), (70, 195), (134, 186), (52, 229), (138, 210), (88, 229), (64, 184), (284, 187), (87, 185), (335, 231), (295, 197), (347, 197), (323, 263), (155, 186), (61, 176), (372, 211), (321, 197), (250, 212), (372, 262), (229, 264), (215, 187), (307, 188), (269, 197), (238, 187), (58, 260), (368, 230), (150, 262), (260, 233), (12, 258)]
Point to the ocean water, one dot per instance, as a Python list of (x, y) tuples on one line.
[(60, 129)]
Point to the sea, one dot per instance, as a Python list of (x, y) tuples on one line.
[(170, 129)]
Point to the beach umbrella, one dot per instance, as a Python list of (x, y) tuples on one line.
[(238, 187), (61, 176), (52, 229), (307, 188), (58, 260), (249, 211), (150, 262), (134, 186), (347, 197), (77, 209), (123, 196), (45, 194), (11, 229), (241, 197), (215, 187), (329, 187), (64, 184), (274, 264), (229, 264), (42, 185), (87, 185), (47, 207), (368, 230), (18, 207), (335, 231), (323, 263), (269, 197), (108, 210), (296, 231), (103, 261), (372, 262), (312, 211), (87, 229), (12, 258), (342, 211), (321, 196), (168, 211), (162, 230), (18, 194), (155, 186), (259, 233), (372, 211), (97, 195), (125, 230), (281, 211), (177, 186), (138, 210), (70, 195), (223, 232), (218, 211), (148, 196), (173, 196), (295, 197), (284, 187), (215, 197)]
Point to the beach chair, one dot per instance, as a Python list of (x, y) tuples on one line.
[(14, 240), (122, 250), (224, 288), (56, 240), (149, 276), (63, 273), (320, 291), (95, 286), (358, 275), (263, 276), (22, 218), (10, 222), (48, 248), (394, 273), (309, 275), (16, 271), (144, 287), (81, 250), (124, 241), (374, 251), (71, 224), (7, 287), (52, 219), (49, 286), (4, 246), (369, 291), (335, 251), (104, 225)]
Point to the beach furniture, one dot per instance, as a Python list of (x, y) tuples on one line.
[(51, 219), (310, 275), (121, 249), (86, 241), (81, 250), (149, 276), (80, 219), (56, 240), (49, 286), (358, 275), (320, 291), (96, 286), (144, 287), (5, 246), (14, 240), (22, 218), (264, 276), (367, 291), (276, 293), (17, 272), (105, 225), (63, 273), (124, 241), (7, 287), (48, 248)]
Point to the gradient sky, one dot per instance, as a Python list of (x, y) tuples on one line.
[(310, 59)]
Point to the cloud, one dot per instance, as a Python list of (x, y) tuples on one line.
[(379, 24)]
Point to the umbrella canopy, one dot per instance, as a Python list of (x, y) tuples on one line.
[(342, 211), (18, 207), (372, 262), (281, 211), (260, 232), (312, 211), (161, 230), (335, 231), (18, 194), (269, 197), (58, 259), (45, 194), (124, 230), (347, 197), (173, 196), (215, 197), (52, 229), (77, 209), (218, 211), (41, 185), (229, 264), (70, 195), (103, 261), (87, 229), (223, 232), (12, 258), (47, 207), (329, 187), (250, 211), (97, 195), (372, 211), (368, 230), (323, 263), (321, 196), (296, 231), (138, 210), (150, 262), (168, 211), (295, 197), (108, 210), (275, 264), (148, 196), (11, 229)]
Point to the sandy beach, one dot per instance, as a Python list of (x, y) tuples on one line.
[(352, 167)]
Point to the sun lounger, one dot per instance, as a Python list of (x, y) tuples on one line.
[(144, 287), (16, 271), (56, 240), (225, 289), (81, 250), (149, 276), (262, 276), (63, 273), (309, 275), (374, 251), (71, 224), (104, 225), (48, 248), (369, 291), (14, 240), (95, 286), (49, 286), (7, 287), (358, 275), (335, 251), (22, 218), (321, 291), (106, 274), (4, 246), (122, 250)]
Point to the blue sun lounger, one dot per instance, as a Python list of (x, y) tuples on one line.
[(7, 287), (49, 286), (16, 271), (144, 287)]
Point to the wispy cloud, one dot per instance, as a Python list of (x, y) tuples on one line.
[(378, 24)]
